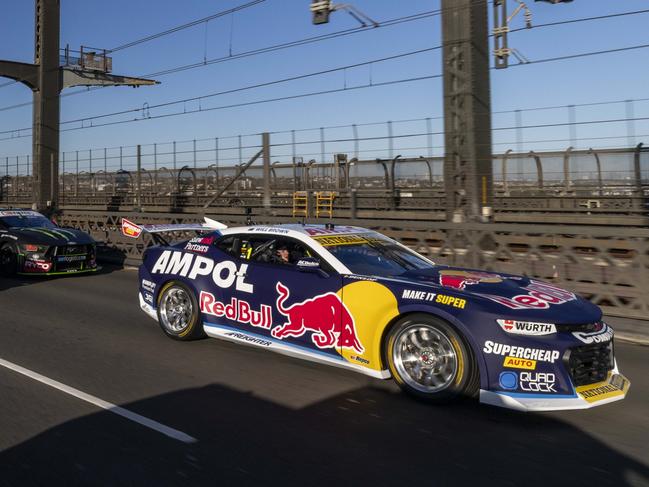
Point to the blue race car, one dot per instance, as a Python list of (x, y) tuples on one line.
[(353, 298)]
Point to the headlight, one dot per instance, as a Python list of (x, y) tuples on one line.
[(34, 251), (527, 327)]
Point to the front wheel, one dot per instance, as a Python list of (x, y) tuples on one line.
[(8, 260), (429, 359), (178, 312)]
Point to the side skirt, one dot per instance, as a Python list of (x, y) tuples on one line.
[(237, 336)]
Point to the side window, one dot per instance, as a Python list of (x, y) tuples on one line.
[(229, 245), (268, 249)]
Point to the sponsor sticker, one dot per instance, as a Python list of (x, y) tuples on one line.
[(537, 381), (329, 231), (130, 229), (514, 351), (459, 279), (615, 385), (540, 295), (37, 266), (199, 244), (148, 285), (450, 301), (334, 240), (519, 363), (237, 310), (70, 258), (224, 273), (602, 335), (248, 338), (360, 359), (527, 328), (325, 316), (19, 213), (418, 295), (508, 380)]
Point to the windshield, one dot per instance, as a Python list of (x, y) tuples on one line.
[(373, 254), (25, 220)]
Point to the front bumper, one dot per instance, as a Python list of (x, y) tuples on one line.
[(147, 308), (43, 272), (614, 388)]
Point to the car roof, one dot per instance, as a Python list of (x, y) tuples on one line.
[(309, 230)]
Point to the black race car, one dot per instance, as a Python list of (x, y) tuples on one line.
[(32, 244)]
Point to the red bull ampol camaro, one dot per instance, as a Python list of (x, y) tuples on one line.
[(353, 298)]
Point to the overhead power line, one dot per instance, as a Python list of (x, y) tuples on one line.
[(178, 28), (583, 19), (254, 52)]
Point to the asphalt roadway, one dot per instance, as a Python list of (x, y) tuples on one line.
[(259, 418)]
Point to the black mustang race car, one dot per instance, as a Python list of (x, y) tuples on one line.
[(32, 244)]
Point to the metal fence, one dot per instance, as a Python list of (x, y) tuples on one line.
[(551, 191), (609, 266)]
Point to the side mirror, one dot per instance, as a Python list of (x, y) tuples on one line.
[(308, 264)]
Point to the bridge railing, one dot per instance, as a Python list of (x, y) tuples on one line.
[(607, 265)]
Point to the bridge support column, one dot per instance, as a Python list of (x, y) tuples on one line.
[(468, 175)]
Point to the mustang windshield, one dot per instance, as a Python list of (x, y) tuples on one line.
[(374, 255), (25, 220)]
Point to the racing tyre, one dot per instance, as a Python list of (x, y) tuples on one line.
[(8, 260), (430, 360), (178, 312)]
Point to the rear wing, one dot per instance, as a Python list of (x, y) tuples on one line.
[(133, 230)]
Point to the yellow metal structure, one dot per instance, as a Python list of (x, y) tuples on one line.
[(300, 203), (324, 203)]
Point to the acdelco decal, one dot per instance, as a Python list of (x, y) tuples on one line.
[(540, 296), (224, 273), (237, 310), (325, 315), (604, 334), (521, 352)]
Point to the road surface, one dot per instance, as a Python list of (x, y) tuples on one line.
[(258, 418)]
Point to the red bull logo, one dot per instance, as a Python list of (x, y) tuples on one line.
[(461, 279), (325, 316)]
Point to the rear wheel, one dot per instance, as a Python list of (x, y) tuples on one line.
[(8, 260), (429, 359), (178, 312)]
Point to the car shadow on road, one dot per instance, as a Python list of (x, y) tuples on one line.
[(21, 280), (369, 436)]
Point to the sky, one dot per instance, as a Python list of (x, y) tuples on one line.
[(610, 77)]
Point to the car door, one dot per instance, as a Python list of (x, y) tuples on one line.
[(303, 303)]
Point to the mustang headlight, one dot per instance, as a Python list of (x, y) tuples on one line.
[(34, 252), (527, 327)]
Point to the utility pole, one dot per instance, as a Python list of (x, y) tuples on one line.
[(47, 79), (468, 175)]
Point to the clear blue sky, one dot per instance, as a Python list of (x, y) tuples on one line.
[(108, 24)]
